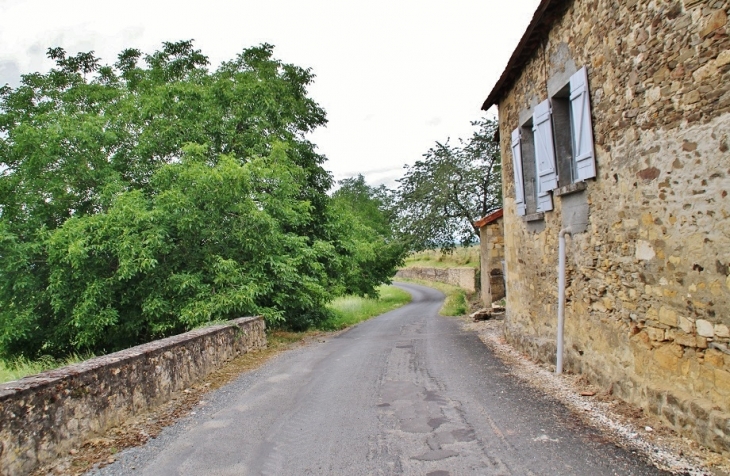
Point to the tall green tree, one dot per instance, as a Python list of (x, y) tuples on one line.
[(377, 248), (441, 196), (153, 195)]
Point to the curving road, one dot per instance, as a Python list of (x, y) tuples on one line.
[(408, 392)]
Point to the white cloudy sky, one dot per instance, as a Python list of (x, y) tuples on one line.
[(393, 75)]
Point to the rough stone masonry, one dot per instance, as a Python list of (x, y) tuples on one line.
[(45, 415), (466, 278), (648, 297)]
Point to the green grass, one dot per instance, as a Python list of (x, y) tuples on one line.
[(349, 310), (461, 257), (455, 303), (457, 299), (18, 368)]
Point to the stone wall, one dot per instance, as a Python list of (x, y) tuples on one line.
[(465, 278), (45, 415), (648, 297), (491, 254)]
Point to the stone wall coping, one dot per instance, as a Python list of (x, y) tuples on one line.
[(570, 188), (54, 376), (433, 267)]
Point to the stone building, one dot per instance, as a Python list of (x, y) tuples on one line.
[(491, 256), (614, 123)]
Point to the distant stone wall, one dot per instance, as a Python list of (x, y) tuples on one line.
[(45, 415), (648, 282), (465, 278)]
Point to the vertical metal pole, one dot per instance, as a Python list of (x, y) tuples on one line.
[(561, 298)]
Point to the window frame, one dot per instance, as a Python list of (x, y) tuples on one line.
[(573, 131), (553, 150)]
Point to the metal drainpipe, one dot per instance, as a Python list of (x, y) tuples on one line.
[(561, 296)]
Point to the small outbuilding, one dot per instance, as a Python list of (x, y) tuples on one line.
[(491, 253)]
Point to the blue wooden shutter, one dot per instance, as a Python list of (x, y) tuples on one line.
[(582, 128), (517, 168), (547, 179)]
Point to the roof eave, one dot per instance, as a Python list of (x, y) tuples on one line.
[(516, 61)]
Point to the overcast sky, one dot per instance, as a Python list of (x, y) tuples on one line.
[(393, 75)]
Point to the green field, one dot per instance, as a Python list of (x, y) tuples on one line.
[(461, 257)]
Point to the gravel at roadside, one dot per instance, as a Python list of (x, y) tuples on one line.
[(626, 424)]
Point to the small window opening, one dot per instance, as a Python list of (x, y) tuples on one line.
[(529, 169), (563, 135)]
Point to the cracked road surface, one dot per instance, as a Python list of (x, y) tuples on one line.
[(409, 392)]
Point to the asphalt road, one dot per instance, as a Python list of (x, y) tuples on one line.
[(408, 392)]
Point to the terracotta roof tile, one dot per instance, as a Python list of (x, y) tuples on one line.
[(492, 217)]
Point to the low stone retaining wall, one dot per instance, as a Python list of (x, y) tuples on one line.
[(463, 277), (45, 415)]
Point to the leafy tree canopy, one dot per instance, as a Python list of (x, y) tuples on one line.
[(379, 250), (441, 196), (150, 196)]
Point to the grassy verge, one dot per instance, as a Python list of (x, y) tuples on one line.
[(349, 310), (461, 257), (457, 299), (19, 368)]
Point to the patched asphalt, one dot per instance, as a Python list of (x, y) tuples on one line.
[(408, 392)]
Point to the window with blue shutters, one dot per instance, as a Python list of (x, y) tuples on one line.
[(517, 168), (582, 127), (523, 154), (573, 131), (553, 148), (546, 172)]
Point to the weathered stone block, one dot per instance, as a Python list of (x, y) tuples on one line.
[(644, 250), (686, 340), (701, 342), (667, 356), (655, 334), (722, 381), (668, 316), (705, 328), (700, 409), (691, 97), (714, 358), (721, 330), (718, 19), (687, 325)]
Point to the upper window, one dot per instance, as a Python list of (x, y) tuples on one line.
[(523, 151), (584, 156), (559, 148)]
